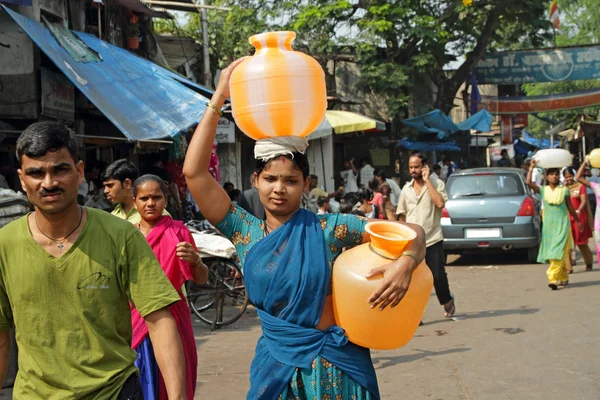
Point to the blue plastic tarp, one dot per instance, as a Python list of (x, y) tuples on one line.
[(480, 121), (427, 146), (433, 122), (144, 100), (543, 143)]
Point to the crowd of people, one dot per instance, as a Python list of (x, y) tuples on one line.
[(97, 297)]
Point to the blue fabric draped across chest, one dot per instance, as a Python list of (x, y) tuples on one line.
[(287, 279)]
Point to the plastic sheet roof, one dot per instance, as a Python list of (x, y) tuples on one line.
[(144, 100), (436, 122)]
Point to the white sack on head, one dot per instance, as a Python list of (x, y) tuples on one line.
[(267, 149)]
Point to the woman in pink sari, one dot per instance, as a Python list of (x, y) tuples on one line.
[(174, 248)]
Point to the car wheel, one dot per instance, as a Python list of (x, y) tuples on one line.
[(532, 254)]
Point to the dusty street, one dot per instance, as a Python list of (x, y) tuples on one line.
[(512, 338)]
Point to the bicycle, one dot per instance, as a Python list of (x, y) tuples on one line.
[(223, 299)]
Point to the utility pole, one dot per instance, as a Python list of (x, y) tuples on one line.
[(205, 53)]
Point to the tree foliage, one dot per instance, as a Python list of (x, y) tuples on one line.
[(579, 21), (401, 46)]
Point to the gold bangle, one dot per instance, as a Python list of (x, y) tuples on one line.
[(412, 254), (211, 105)]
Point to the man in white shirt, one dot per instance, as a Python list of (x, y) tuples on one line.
[(366, 172), (421, 203), (350, 175)]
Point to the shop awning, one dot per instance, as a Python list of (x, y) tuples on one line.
[(480, 121), (142, 99), (345, 122), (434, 122), (442, 126)]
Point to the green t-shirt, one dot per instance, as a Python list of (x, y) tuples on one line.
[(72, 314)]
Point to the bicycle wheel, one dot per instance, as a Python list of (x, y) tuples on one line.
[(223, 299), (199, 297)]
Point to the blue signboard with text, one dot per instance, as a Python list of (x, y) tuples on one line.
[(548, 65)]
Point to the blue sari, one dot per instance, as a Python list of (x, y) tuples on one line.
[(287, 280)]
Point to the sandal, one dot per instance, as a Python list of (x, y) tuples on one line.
[(450, 308), (588, 268)]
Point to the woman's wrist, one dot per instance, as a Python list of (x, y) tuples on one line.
[(198, 261), (218, 99)]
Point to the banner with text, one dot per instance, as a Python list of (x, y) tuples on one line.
[(549, 65)]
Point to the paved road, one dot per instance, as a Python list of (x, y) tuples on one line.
[(512, 338)]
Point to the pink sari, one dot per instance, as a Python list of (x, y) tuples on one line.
[(163, 239)]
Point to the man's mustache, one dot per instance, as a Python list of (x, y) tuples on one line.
[(51, 192)]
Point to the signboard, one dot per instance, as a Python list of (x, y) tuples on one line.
[(380, 157), (58, 96), (225, 131), (550, 65)]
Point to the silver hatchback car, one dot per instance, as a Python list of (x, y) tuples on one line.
[(491, 208)]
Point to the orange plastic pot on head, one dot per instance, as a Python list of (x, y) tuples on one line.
[(278, 91), (370, 327)]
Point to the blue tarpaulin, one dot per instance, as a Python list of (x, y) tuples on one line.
[(432, 122), (144, 100), (427, 146), (543, 143), (480, 121), (440, 124)]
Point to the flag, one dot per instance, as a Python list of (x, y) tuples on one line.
[(553, 15), (475, 95)]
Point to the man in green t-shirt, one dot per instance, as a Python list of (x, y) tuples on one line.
[(67, 277)]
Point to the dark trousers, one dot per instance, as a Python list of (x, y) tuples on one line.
[(435, 259), (132, 389)]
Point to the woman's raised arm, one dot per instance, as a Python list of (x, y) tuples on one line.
[(212, 200), (532, 185), (579, 177)]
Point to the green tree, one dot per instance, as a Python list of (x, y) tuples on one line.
[(579, 20), (401, 46)]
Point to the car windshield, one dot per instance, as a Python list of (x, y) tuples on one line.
[(489, 185)]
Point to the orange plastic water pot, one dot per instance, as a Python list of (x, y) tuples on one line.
[(278, 91), (370, 327)]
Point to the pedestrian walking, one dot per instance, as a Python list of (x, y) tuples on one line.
[(595, 187), (176, 252), (579, 200), (421, 202), (387, 207), (364, 197), (67, 276), (350, 176), (556, 229), (287, 262), (118, 181), (366, 172), (377, 200)]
